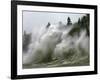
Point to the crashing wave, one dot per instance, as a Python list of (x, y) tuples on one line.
[(54, 45)]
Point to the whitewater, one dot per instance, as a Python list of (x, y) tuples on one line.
[(54, 47)]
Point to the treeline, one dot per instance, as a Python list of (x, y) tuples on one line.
[(82, 23), (26, 40), (68, 23)]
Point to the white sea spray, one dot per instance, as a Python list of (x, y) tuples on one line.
[(53, 42)]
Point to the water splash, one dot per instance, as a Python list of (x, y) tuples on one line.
[(54, 43)]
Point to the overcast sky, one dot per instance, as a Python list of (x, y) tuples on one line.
[(32, 21)]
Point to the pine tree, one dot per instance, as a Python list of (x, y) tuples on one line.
[(47, 26), (79, 21), (69, 21), (81, 24), (26, 41)]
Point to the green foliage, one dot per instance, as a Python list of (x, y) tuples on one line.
[(76, 30), (82, 23), (79, 21), (85, 23)]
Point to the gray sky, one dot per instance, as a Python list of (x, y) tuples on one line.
[(32, 21)]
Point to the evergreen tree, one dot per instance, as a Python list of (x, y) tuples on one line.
[(79, 21), (47, 26), (82, 23), (69, 21), (85, 23), (26, 41)]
